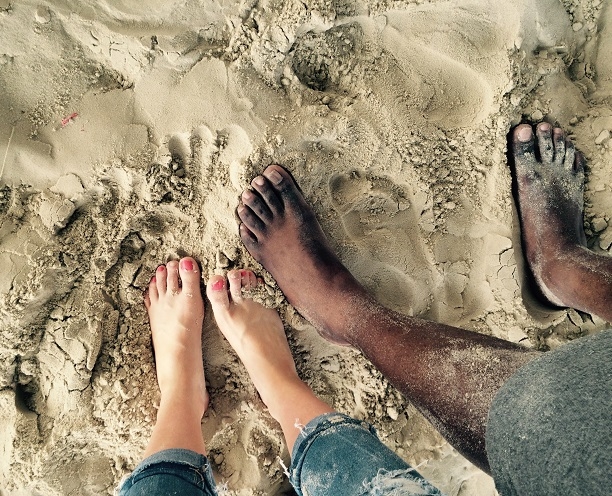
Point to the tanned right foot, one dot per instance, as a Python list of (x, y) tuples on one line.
[(550, 188), (281, 232)]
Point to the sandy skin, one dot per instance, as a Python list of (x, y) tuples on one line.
[(281, 232)]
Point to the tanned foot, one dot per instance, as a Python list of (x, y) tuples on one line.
[(550, 187), (257, 335), (280, 230), (176, 311)]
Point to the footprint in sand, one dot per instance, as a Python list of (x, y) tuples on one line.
[(381, 219)]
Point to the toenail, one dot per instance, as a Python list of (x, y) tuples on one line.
[(247, 195), (275, 177), (524, 133), (241, 209), (187, 264), (544, 126), (154, 279), (161, 268), (259, 181), (218, 285), (243, 273)]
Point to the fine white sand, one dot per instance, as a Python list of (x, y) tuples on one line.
[(127, 132)]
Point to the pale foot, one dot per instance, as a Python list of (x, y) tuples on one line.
[(550, 188), (176, 311), (280, 230), (256, 333)]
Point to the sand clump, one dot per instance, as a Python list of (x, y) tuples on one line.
[(128, 132)]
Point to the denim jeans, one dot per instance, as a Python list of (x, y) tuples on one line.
[(334, 455)]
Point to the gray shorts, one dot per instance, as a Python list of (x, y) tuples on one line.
[(550, 426)]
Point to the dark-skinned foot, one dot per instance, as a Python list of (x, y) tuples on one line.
[(280, 230), (550, 188)]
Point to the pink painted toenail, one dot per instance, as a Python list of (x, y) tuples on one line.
[(218, 285), (524, 134), (154, 279), (186, 264), (275, 177), (259, 181), (243, 273), (161, 268)]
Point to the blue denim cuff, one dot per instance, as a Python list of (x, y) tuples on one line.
[(339, 455), (182, 471)]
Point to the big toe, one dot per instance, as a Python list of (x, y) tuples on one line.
[(216, 290), (282, 181), (190, 276)]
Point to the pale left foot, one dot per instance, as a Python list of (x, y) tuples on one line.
[(176, 312)]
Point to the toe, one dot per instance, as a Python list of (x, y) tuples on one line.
[(264, 187), (570, 155), (248, 238), (217, 293), (151, 294), (257, 205), (190, 276), (249, 280), (523, 151), (161, 279), (283, 183), (559, 144), (235, 284), (173, 276), (579, 162), (250, 220), (545, 142)]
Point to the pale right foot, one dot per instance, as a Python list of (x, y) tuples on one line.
[(257, 335), (255, 332), (550, 188)]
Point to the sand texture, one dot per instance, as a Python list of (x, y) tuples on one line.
[(128, 130)]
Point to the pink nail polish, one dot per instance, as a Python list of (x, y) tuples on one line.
[(218, 285), (154, 279), (161, 268), (186, 264), (243, 273)]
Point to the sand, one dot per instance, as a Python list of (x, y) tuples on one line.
[(129, 129)]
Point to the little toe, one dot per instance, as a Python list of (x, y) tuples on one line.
[(250, 220), (257, 205), (579, 162), (235, 284), (216, 291), (190, 276), (173, 276), (570, 155), (559, 144), (263, 186), (545, 142), (161, 279)]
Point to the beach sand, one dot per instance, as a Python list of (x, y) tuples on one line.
[(128, 131)]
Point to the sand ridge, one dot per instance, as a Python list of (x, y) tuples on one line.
[(127, 133)]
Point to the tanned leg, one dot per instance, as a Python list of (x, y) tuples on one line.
[(176, 312), (256, 333), (450, 374), (550, 186)]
